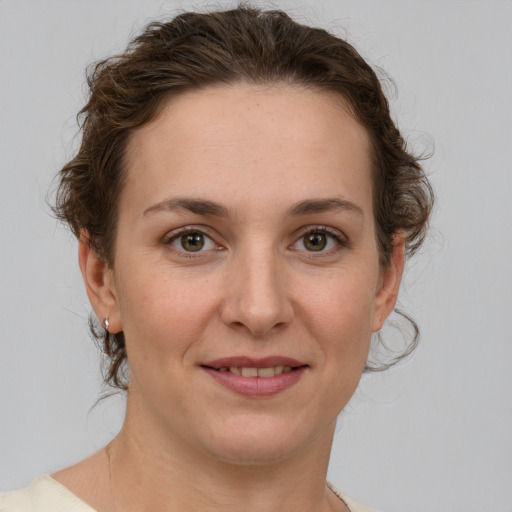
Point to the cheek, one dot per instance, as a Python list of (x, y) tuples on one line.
[(341, 319), (164, 311)]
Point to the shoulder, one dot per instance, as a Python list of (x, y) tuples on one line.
[(352, 505), (44, 494)]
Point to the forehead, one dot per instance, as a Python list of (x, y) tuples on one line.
[(240, 141)]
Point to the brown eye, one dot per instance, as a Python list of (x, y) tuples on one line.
[(321, 240), (315, 241), (192, 242)]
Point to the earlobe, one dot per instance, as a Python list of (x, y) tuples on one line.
[(99, 283), (389, 284)]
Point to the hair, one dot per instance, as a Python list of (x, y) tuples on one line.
[(198, 50)]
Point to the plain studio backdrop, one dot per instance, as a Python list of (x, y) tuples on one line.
[(431, 434)]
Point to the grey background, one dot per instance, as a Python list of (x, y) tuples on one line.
[(432, 434)]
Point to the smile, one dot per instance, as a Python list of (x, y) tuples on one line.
[(256, 377), (271, 371)]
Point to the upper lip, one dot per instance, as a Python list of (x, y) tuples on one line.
[(250, 362)]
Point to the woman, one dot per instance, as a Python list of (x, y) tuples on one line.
[(243, 204)]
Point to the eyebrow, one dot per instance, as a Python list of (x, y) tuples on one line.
[(324, 205), (206, 207), (197, 206)]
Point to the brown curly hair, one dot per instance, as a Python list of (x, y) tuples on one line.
[(198, 50)]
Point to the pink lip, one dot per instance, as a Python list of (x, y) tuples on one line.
[(256, 386), (249, 362)]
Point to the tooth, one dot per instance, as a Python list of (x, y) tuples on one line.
[(278, 370), (249, 372), (287, 369), (235, 370), (266, 372), (223, 369)]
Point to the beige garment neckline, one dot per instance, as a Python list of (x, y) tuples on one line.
[(55, 496)]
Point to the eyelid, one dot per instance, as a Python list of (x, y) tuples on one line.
[(171, 236), (341, 239)]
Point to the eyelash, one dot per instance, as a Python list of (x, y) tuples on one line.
[(175, 235), (341, 240)]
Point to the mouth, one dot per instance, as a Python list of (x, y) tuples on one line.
[(256, 377), (251, 371), (251, 367)]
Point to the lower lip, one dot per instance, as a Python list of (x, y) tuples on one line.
[(257, 386)]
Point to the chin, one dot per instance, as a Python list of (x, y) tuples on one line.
[(257, 443)]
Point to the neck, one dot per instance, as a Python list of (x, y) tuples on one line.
[(159, 473)]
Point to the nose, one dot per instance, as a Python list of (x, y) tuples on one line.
[(256, 297)]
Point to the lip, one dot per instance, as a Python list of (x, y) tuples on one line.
[(249, 362), (256, 386)]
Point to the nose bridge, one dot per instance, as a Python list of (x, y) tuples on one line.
[(256, 295)]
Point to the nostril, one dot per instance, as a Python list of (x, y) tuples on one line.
[(256, 305)]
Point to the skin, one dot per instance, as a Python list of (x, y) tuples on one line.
[(255, 289)]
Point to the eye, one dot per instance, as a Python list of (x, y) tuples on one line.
[(192, 241), (319, 239), (315, 241)]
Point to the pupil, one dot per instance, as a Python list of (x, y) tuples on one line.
[(192, 242), (315, 242)]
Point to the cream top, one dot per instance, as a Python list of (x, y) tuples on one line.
[(45, 494)]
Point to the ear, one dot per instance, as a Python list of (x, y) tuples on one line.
[(99, 284), (389, 283)]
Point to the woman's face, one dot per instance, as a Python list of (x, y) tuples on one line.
[(246, 246)]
